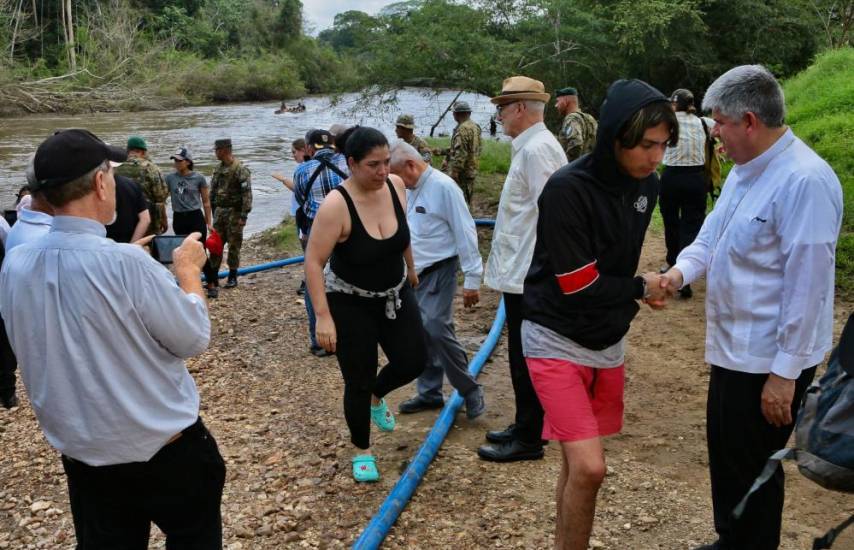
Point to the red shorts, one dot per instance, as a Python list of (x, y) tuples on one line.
[(580, 402)]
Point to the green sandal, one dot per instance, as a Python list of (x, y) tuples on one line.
[(365, 469), (382, 417)]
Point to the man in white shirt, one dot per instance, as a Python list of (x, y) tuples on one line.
[(767, 251), (443, 237), (535, 155), (105, 372)]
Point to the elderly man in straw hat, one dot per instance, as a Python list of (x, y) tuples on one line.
[(535, 155)]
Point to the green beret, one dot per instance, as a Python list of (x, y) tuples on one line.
[(569, 90), (136, 142)]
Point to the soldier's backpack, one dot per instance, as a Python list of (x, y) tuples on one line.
[(824, 433), (302, 220)]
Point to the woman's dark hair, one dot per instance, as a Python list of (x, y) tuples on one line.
[(298, 144), (650, 116), (684, 100), (359, 141)]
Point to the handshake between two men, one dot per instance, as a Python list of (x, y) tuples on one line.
[(661, 287)]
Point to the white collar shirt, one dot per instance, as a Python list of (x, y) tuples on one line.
[(535, 155), (100, 331), (31, 226), (768, 253), (441, 226)]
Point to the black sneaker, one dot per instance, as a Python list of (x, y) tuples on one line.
[(475, 404), (213, 292), (232, 279)]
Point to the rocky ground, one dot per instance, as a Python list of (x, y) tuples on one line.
[(276, 412)]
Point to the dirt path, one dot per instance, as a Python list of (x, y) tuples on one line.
[(276, 412)]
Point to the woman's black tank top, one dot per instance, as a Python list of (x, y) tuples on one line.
[(366, 262)]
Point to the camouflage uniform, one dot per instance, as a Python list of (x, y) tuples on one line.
[(231, 201), (421, 146), (577, 134), (146, 174), (464, 156)]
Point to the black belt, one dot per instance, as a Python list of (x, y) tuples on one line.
[(436, 266)]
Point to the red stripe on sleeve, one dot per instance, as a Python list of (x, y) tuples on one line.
[(578, 280)]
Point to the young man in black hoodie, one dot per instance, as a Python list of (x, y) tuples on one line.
[(582, 292)]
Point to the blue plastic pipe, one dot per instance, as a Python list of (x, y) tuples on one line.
[(379, 526)]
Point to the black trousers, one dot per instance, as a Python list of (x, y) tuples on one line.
[(184, 223), (361, 324), (529, 412), (683, 207), (8, 364), (740, 441), (179, 489)]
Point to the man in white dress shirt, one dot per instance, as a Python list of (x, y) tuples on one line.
[(443, 238), (535, 155), (101, 331), (767, 251)]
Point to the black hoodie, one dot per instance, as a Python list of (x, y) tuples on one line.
[(590, 231)]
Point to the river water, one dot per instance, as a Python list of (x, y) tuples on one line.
[(261, 138)]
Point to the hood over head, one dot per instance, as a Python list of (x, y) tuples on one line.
[(623, 100)]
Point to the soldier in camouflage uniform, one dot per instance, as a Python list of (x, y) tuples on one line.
[(463, 156), (405, 130), (231, 200), (577, 133), (146, 174)]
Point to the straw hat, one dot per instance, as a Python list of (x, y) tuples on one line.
[(517, 88)]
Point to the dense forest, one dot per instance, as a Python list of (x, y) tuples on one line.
[(135, 54)]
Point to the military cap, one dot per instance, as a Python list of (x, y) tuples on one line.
[(222, 143), (462, 107), (69, 154), (407, 121), (137, 142), (569, 90)]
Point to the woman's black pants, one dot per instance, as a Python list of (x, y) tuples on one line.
[(683, 207), (361, 324), (184, 223)]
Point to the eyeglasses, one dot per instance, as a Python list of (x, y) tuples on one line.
[(499, 108)]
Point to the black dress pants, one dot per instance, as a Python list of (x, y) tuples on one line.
[(361, 324), (740, 441), (529, 412), (683, 207), (184, 223), (179, 489), (8, 364)]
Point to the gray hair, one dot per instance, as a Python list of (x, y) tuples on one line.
[(534, 105), (60, 195), (402, 152), (747, 88)]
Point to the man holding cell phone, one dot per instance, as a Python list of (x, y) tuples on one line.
[(110, 389)]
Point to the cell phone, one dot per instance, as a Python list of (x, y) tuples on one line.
[(162, 247)]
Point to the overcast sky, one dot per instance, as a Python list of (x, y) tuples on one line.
[(320, 13)]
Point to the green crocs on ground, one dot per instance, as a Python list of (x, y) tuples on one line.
[(382, 417), (365, 469)]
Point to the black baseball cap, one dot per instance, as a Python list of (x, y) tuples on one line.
[(319, 139), (69, 154)]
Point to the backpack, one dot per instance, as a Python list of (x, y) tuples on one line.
[(824, 433), (712, 166), (301, 218)]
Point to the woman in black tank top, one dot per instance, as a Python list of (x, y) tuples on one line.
[(366, 299)]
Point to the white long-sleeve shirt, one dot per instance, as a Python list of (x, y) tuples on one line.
[(441, 226), (100, 331), (535, 155), (768, 251)]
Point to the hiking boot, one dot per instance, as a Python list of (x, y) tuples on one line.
[(232, 279)]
